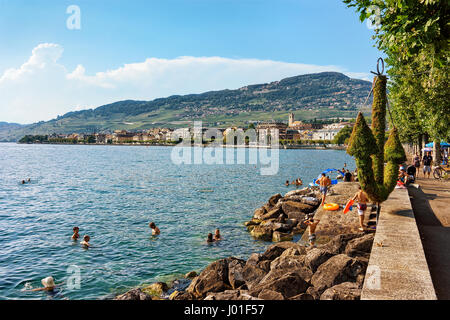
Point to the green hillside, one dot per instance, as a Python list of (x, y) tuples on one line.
[(321, 95)]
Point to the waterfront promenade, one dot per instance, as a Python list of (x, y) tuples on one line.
[(430, 202)]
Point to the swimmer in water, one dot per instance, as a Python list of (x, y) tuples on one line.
[(85, 242), (23, 181), (210, 238), (287, 183), (75, 235), (48, 283), (217, 235), (155, 229)]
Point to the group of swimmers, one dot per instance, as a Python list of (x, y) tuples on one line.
[(85, 243), (297, 182), (26, 181), (214, 238)]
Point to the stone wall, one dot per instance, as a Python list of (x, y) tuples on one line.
[(397, 268)]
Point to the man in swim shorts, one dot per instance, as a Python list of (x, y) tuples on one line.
[(324, 182), (312, 224), (362, 199)]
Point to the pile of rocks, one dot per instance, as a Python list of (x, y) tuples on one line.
[(285, 271), (281, 217)]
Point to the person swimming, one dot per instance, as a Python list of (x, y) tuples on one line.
[(210, 238), (48, 283), (155, 229), (286, 183), (75, 235), (217, 235), (85, 242)]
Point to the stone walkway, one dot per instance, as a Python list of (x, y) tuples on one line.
[(431, 205)]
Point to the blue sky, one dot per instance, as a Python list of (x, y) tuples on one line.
[(291, 34)]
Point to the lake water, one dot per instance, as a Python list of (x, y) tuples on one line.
[(112, 193)]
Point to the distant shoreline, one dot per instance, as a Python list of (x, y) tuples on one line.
[(311, 147)]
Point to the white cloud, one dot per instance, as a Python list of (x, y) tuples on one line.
[(42, 88)]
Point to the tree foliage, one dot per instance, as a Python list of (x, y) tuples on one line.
[(414, 35), (343, 135)]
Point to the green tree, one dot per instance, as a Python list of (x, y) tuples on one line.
[(343, 135), (414, 35)]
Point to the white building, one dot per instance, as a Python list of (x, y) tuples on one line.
[(324, 134)]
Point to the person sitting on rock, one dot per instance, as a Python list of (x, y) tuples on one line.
[(155, 229), (217, 235)]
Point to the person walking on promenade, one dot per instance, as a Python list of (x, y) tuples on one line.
[(416, 163), (427, 162)]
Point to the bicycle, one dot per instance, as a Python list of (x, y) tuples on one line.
[(440, 172)]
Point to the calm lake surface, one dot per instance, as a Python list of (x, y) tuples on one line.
[(112, 193)]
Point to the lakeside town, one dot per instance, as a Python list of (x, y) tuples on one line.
[(291, 133)]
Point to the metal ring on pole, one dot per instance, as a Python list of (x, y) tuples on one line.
[(378, 66), (378, 73)]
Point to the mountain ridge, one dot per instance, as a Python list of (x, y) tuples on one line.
[(308, 96)]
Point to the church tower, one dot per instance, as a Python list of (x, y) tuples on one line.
[(291, 119)]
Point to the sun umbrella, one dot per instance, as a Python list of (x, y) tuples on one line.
[(443, 144)]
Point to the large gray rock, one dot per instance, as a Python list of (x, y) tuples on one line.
[(275, 250), (264, 265), (267, 294), (274, 199), (315, 257), (156, 289), (261, 232), (361, 246), (135, 294), (235, 275), (272, 214), (342, 291), (289, 284), (302, 296), (285, 264), (225, 295), (278, 236), (301, 192), (214, 278), (338, 243), (294, 251), (252, 275), (337, 269), (182, 295), (259, 213), (290, 207), (253, 259)]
